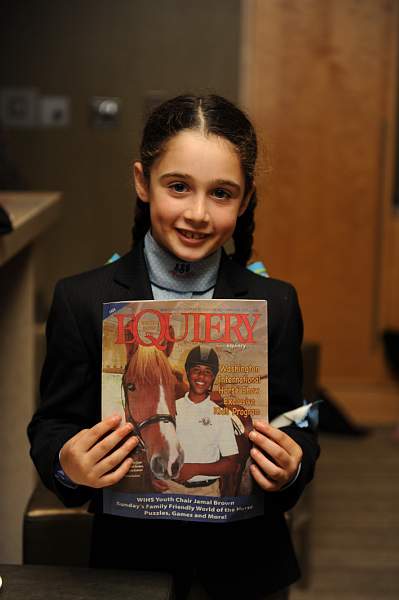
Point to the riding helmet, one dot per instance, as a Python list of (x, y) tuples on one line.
[(202, 355)]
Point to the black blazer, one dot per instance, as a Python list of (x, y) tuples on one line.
[(71, 400)]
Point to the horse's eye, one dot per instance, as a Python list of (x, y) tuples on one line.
[(131, 387)]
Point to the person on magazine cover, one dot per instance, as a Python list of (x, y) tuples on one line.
[(208, 439), (195, 186)]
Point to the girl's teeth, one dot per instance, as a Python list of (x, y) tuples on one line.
[(195, 236)]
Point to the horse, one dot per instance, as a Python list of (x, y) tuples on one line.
[(150, 388)]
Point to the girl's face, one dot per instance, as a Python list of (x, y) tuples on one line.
[(196, 193)]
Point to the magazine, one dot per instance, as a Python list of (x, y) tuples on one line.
[(190, 375)]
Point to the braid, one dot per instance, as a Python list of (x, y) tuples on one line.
[(142, 220), (244, 233)]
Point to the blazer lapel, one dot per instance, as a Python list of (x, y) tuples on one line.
[(229, 284), (131, 276)]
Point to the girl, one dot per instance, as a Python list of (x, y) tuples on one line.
[(195, 186)]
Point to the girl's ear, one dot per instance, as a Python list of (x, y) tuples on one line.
[(245, 201), (140, 182)]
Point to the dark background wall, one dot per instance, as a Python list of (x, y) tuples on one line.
[(123, 48)]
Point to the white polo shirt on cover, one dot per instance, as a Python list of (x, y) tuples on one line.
[(204, 436)]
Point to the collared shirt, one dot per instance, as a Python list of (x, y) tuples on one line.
[(204, 435), (172, 278)]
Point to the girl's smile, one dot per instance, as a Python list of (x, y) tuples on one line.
[(195, 193), (191, 237)]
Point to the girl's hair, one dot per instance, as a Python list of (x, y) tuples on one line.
[(211, 115)]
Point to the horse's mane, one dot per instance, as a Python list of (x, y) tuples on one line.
[(150, 366)]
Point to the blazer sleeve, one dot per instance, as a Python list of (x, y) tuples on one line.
[(69, 396), (285, 391)]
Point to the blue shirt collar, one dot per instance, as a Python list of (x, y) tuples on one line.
[(171, 273)]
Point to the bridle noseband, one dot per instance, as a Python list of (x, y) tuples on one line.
[(137, 427)]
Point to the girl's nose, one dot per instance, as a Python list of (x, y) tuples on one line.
[(197, 210)]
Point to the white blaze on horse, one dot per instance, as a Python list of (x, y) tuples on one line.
[(150, 387)]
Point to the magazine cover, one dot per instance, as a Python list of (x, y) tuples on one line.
[(190, 375)]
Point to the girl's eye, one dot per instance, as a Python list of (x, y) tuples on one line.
[(178, 187), (131, 387), (221, 194)]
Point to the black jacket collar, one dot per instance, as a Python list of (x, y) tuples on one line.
[(131, 273)]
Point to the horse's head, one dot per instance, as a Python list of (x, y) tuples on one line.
[(150, 405)]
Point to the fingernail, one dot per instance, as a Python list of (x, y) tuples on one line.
[(252, 435)]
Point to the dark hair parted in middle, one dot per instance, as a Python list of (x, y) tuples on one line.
[(210, 115)]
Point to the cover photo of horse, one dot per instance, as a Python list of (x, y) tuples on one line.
[(190, 376)]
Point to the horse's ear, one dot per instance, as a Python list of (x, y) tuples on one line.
[(131, 347), (170, 344)]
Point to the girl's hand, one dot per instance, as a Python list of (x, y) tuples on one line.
[(276, 456), (89, 458)]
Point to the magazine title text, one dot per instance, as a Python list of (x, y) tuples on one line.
[(198, 327)]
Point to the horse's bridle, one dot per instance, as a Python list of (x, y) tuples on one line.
[(137, 427)]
